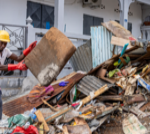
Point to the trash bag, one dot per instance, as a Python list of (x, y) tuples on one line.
[(19, 120)]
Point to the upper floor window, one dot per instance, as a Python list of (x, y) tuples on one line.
[(42, 15), (89, 21)]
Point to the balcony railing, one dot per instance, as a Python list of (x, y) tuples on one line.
[(145, 32), (18, 42)]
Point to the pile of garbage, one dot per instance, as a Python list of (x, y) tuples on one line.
[(112, 97)]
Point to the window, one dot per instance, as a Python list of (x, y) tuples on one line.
[(129, 25), (89, 21), (42, 15)]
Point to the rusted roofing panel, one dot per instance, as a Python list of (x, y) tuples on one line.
[(82, 58), (90, 83)]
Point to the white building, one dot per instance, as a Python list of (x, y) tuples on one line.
[(15, 12), (69, 16)]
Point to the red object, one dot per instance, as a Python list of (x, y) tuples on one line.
[(124, 72), (122, 92), (30, 130), (119, 73), (147, 23), (29, 49), (20, 66), (132, 39), (122, 105), (75, 104)]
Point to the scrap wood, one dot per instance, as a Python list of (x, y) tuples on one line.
[(101, 74), (107, 111), (139, 113), (120, 41), (96, 93), (41, 119), (64, 78), (118, 30), (101, 121), (21, 105), (57, 114), (145, 107), (133, 99), (110, 98), (131, 86), (141, 104), (141, 58), (110, 62), (81, 127), (136, 111), (45, 102)]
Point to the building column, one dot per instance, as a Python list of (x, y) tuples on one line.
[(59, 15), (124, 8), (147, 2)]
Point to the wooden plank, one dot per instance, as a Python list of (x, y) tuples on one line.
[(20, 105), (118, 30), (96, 93), (120, 41), (41, 119), (57, 114)]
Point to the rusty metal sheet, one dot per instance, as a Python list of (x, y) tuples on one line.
[(82, 58), (21, 104), (90, 83), (50, 55)]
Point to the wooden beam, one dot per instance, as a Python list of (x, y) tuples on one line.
[(41, 119), (120, 41)]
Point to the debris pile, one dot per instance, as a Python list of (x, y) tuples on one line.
[(99, 98)]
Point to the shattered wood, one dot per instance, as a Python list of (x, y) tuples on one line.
[(21, 105)]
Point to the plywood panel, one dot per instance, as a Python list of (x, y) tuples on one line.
[(50, 55)]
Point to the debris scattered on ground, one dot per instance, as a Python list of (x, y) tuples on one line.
[(99, 98)]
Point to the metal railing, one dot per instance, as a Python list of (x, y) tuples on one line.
[(18, 42), (145, 32)]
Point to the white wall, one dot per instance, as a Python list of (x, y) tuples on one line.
[(136, 19), (74, 16), (13, 11)]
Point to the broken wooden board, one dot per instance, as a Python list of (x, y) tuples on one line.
[(41, 119), (51, 54), (118, 30), (95, 94), (120, 41), (81, 127), (20, 105)]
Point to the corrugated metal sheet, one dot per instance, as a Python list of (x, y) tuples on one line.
[(90, 83), (82, 58), (101, 45)]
